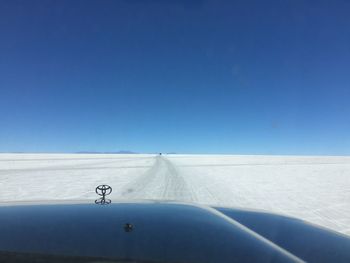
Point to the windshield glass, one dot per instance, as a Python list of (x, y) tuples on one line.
[(241, 104)]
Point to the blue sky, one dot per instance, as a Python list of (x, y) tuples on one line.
[(240, 77)]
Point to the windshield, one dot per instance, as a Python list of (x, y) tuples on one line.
[(241, 104)]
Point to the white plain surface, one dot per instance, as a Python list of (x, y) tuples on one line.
[(316, 189)]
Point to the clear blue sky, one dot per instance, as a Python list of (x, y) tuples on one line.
[(240, 77)]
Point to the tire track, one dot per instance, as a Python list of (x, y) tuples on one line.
[(161, 182)]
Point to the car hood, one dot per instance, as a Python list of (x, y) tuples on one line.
[(152, 231)]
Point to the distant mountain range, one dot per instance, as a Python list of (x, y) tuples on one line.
[(116, 152)]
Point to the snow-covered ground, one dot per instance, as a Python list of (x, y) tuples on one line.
[(316, 189)]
